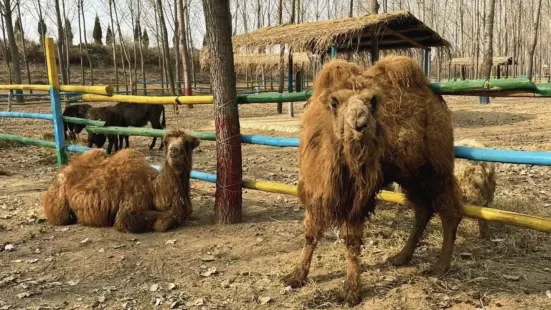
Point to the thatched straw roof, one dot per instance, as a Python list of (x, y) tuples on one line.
[(397, 30), (264, 61), (498, 60)]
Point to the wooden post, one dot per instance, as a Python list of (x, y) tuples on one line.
[(426, 62), (333, 53), (290, 85), (59, 134), (10, 95), (374, 51), (498, 72)]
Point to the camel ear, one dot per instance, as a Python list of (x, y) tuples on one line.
[(374, 102), (194, 142)]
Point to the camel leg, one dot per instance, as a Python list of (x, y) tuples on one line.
[(483, 229), (423, 214), (56, 206), (352, 235), (312, 235), (448, 205), (134, 221)]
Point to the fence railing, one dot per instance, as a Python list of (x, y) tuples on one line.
[(105, 93)]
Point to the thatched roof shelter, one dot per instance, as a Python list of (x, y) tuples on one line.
[(397, 30), (496, 61), (243, 62)]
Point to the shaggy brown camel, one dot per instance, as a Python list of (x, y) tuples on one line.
[(123, 190), (360, 132), (476, 179)]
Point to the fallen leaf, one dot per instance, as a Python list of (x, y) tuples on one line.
[(101, 250), (497, 240), (32, 261), (210, 271), (548, 293), (264, 300), (172, 241), (101, 298), (199, 302), (154, 287), (511, 277), (9, 247), (119, 246), (158, 301), (208, 258), (171, 286), (72, 283), (286, 290), (84, 241), (225, 284), (23, 295), (466, 255)]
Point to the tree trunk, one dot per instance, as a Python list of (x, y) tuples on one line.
[(5, 48), (175, 47), (24, 47), (534, 42), (166, 51), (159, 48), (82, 79), (351, 9), (14, 51), (86, 43), (228, 197), (135, 48), (66, 42), (114, 45), (141, 49), (281, 60), (374, 7), (123, 51), (183, 45)]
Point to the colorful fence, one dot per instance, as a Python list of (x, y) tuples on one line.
[(105, 94)]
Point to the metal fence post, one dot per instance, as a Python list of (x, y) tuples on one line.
[(59, 133)]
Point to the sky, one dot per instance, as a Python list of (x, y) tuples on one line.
[(30, 16)]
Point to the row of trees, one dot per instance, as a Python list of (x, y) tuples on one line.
[(130, 53)]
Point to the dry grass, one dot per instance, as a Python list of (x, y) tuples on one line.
[(498, 60), (258, 61), (318, 37)]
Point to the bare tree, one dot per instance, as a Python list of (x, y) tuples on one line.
[(7, 8), (488, 39), (534, 42), (23, 43), (86, 42), (183, 46), (228, 196), (113, 45), (281, 85), (166, 51), (140, 38)]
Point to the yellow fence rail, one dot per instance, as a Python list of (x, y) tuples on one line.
[(149, 100), (478, 212)]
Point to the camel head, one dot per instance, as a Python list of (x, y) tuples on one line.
[(353, 114), (179, 149), (354, 122)]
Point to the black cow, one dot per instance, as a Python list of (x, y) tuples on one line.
[(75, 110), (138, 115)]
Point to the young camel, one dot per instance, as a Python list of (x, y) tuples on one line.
[(123, 190), (360, 132)]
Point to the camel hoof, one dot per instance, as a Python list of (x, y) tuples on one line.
[(399, 259), (351, 294), (437, 270), (293, 280)]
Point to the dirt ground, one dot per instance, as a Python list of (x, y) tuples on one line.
[(206, 266)]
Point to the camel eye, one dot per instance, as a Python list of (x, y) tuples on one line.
[(374, 101), (334, 103)]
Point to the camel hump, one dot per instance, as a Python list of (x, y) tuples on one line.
[(400, 71)]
